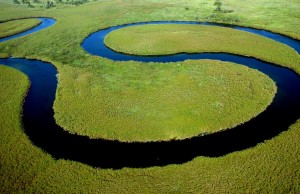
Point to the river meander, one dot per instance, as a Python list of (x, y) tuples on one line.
[(40, 126)]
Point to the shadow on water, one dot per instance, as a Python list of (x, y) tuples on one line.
[(40, 126)]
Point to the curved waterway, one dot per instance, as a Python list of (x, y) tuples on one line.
[(45, 23), (40, 126)]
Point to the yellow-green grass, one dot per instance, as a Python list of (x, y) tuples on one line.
[(166, 39), (16, 26), (274, 15), (271, 167), (60, 45), (11, 81), (155, 102), (20, 161)]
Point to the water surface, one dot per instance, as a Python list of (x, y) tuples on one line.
[(40, 126), (46, 22)]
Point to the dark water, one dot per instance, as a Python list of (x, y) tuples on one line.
[(40, 126), (46, 22), (94, 43)]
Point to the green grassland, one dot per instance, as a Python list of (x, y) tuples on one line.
[(274, 15), (173, 38), (163, 101), (17, 26), (271, 167)]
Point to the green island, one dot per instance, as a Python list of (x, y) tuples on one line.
[(270, 167), (164, 101), (17, 26), (26, 168), (170, 39)]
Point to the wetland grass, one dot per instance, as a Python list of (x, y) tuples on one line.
[(167, 39), (17, 26), (26, 168), (270, 167)]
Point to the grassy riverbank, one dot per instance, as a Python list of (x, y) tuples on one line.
[(17, 26), (271, 167), (274, 15), (163, 101), (169, 39)]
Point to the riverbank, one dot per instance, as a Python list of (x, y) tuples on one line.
[(17, 26), (270, 167), (25, 168)]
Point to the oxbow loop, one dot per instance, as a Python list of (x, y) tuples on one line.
[(40, 126)]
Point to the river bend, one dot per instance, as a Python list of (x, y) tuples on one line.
[(40, 126)]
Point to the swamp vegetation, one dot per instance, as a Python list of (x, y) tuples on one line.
[(17, 26), (270, 167)]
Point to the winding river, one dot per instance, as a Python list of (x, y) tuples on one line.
[(40, 126), (45, 23)]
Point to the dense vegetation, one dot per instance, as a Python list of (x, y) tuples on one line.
[(174, 38), (164, 101), (17, 26), (48, 3), (271, 167)]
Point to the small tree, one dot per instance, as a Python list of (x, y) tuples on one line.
[(16, 2), (50, 4), (218, 5), (29, 5)]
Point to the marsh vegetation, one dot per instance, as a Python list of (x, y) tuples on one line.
[(271, 167), (26, 168), (166, 39), (17, 26), (164, 101)]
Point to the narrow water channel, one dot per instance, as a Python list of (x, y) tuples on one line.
[(40, 126), (46, 23)]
